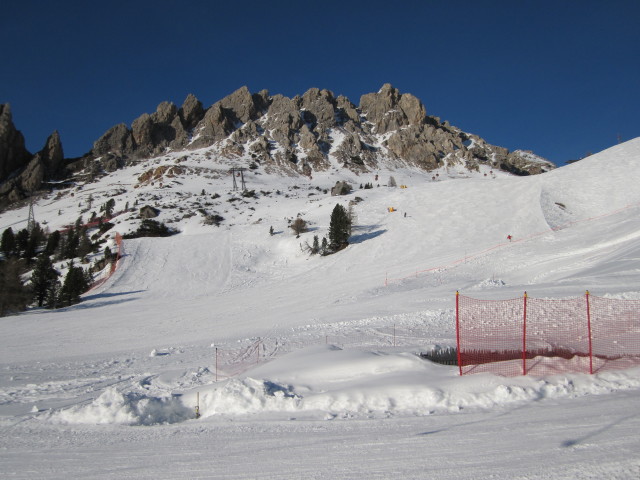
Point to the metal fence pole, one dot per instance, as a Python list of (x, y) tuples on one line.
[(589, 330), (524, 337), (458, 331)]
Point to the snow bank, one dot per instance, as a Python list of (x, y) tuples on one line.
[(331, 382), (113, 407), (328, 382)]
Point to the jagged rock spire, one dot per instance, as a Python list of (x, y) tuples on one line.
[(13, 154)]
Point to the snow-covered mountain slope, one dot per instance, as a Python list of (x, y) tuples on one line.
[(236, 278), (139, 348)]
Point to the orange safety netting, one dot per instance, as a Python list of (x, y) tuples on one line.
[(543, 336), (114, 263)]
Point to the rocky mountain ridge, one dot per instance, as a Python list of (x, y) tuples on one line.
[(297, 136)]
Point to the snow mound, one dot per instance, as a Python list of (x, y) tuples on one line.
[(332, 383), (113, 407)]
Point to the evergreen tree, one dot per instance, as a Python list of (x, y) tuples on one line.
[(61, 247), (52, 243), (8, 242), (22, 241), (52, 300), (36, 239), (316, 245), (15, 296), (43, 278), (85, 247), (75, 284), (71, 245), (339, 228), (108, 208)]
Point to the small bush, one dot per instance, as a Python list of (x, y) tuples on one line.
[(151, 228), (299, 226)]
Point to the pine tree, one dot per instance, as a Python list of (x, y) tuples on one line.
[(324, 247), (43, 278), (339, 228), (108, 208), (15, 296), (8, 242), (75, 284), (85, 246), (36, 239), (52, 243), (22, 241), (71, 245)]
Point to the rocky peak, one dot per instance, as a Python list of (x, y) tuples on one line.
[(164, 114), (240, 106), (318, 108), (228, 114), (191, 112), (13, 154), (346, 110), (52, 155), (152, 134), (117, 140), (389, 110), (298, 135), (21, 172)]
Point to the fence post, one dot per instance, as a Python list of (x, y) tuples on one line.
[(458, 331), (524, 337), (589, 331)]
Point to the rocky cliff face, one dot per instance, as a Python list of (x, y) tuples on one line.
[(21, 172), (306, 133), (298, 135), (13, 154)]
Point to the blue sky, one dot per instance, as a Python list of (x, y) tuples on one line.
[(561, 78)]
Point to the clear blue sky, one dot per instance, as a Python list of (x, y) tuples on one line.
[(560, 77)]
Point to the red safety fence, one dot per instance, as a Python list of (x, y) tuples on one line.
[(233, 359), (93, 223), (113, 265), (544, 336)]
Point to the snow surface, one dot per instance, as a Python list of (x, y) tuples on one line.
[(305, 366)]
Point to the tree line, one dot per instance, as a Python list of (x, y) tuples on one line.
[(340, 225), (27, 272)]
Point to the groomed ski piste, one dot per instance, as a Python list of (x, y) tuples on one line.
[(305, 366)]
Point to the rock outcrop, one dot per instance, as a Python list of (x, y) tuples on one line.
[(21, 172), (52, 155), (389, 110), (13, 154), (191, 112), (118, 141), (297, 136), (307, 133)]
